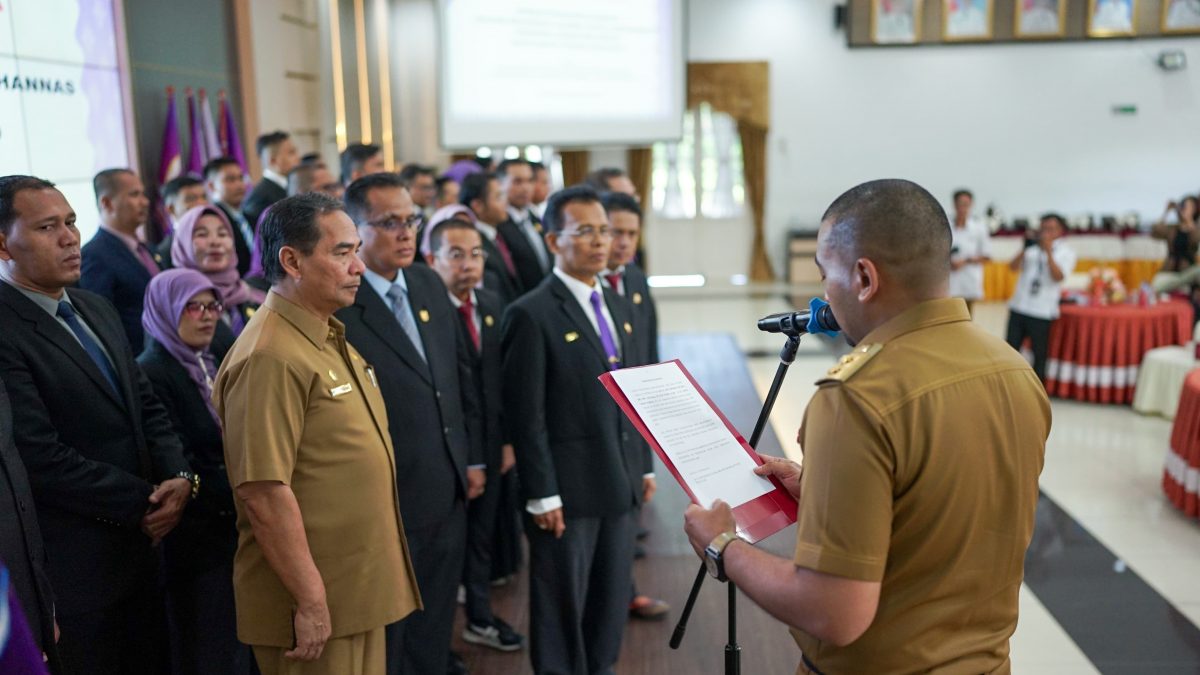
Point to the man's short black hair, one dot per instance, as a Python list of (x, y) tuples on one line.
[(440, 183), (474, 186), (619, 201), (104, 183), (410, 172), (557, 203), (9, 187), (310, 158), (896, 224), (357, 205), (502, 167), (1062, 222), (292, 221), (269, 140), (355, 156), (215, 165), (437, 235), (598, 179), (537, 166), (963, 192), (178, 184)]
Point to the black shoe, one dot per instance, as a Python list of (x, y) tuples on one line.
[(498, 635), (456, 665)]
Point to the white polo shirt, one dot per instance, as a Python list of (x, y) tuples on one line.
[(1037, 293), (969, 241)]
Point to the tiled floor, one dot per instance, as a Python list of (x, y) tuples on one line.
[(1103, 468)]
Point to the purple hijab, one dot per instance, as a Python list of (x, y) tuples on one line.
[(441, 215), (233, 290), (459, 170), (166, 295)]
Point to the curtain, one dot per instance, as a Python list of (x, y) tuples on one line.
[(574, 166), (640, 163), (754, 158)]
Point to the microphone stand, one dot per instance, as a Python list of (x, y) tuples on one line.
[(733, 652)]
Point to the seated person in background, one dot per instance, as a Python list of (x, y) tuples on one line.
[(969, 250), (181, 316), (279, 156), (116, 265), (313, 177), (180, 195), (447, 192), (226, 186), (611, 179), (204, 242), (1182, 237), (541, 189), (421, 182), (361, 159), (1044, 263)]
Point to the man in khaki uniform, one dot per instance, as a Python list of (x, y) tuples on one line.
[(322, 563), (922, 450)]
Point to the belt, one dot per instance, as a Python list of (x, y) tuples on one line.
[(810, 665)]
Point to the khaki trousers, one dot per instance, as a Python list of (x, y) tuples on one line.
[(359, 654)]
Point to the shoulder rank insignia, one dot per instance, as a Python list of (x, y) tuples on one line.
[(849, 364), (637, 298), (424, 314), (489, 321)]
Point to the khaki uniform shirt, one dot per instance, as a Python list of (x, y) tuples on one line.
[(300, 406), (922, 451)]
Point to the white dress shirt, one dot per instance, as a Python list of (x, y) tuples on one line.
[(275, 178), (972, 240), (524, 220)]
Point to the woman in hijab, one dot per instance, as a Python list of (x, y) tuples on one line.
[(181, 317), (204, 242)]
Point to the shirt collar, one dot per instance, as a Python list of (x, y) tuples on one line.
[(519, 216), (620, 270), (309, 324), (488, 231), (458, 303), (130, 242), (234, 214), (275, 178), (41, 299), (923, 315), (382, 286), (581, 291)]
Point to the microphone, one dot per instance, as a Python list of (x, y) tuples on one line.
[(818, 318)]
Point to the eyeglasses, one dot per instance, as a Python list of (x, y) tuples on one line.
[(410, 223), (588, 234), (459, 256), (197, 309)]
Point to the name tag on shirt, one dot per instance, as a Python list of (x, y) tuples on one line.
[(342, 390)]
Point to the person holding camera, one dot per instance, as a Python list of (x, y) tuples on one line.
[(1183, 239), (1044, 263)]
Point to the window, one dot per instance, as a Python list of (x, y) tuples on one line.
[(702, 173)]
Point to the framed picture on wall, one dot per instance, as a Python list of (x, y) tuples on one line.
[(966, 20), (1040, 18), (1111, 18), (1181, 16), (895, 22)]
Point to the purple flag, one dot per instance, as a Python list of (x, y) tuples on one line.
[(171, 160), (196, 158), (212, 147), (231, 143)]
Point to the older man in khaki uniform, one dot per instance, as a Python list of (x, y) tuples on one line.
[(322, 563), (922, 450)]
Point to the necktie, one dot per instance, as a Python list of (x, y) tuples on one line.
[(147, 260), (506, 255), (614, 281), (247, 231), (606, 336), (467, 310), (67, 313), (403, 312)]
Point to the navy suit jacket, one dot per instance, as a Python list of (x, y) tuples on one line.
[(570, 438), (113, 272), (93, 455)]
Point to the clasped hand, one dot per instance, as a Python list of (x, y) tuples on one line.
[(166, 508)]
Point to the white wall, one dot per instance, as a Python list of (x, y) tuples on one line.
[(1027, 127)]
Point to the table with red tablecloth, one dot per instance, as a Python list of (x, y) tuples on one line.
[(1095, 351), (1181, 474)]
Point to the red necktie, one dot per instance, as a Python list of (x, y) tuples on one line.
[(467, 310), (614, 281), (507, 255)]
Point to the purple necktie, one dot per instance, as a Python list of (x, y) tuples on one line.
[(147, 260), (606, 337)]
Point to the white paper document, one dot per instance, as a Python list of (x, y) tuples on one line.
[(708, 457)]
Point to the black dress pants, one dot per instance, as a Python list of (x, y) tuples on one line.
[(1021, 326)]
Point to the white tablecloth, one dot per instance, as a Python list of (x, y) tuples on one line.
[(1160, 379)]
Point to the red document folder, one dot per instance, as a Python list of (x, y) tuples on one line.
[(756, 519)]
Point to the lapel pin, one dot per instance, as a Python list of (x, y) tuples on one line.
[(571, 337), (424, 314), (489, 321), (332, 375), (628, 329), (637, 298)]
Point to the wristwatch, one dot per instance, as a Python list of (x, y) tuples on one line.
[(192, 478), (713, 555)]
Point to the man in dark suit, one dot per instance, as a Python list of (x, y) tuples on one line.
[(21, 547), (108, 475), (226, 187), (583, 467), (361, 159), (180, 195), (403, 324), (481, 193), (457, 255), (279, 156), (116, 265), (523, 230)]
